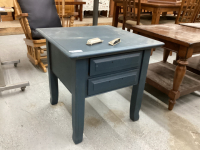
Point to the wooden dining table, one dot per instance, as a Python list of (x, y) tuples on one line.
[(155, 8), (173, 80)]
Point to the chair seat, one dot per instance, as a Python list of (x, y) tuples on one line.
[(36, 35), (129, 23)]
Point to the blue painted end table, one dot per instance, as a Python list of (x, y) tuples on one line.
[(98, 68)]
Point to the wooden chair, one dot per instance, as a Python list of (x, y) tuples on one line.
[(35, 45), (186, 14), (65, 14), (188, 11), (197, 17), (130, 17)]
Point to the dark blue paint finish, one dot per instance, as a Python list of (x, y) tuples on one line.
[(113, 63), (99, 68), (68, 39), (112, 82)]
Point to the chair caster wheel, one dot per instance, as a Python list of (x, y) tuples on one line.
[(15, 64), (23, 88)]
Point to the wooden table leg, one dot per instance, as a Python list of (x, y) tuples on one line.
[(81, 12), (183, 53), (164, 13), (115, 15), (165, 55), (137, 91), (53, 80), (178, 78), (76, 10), (156, 16)]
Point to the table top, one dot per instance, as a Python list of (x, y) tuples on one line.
[(179, 34), (194, 25), (72, 2), (75, 38), (151, 4), (6, 9)]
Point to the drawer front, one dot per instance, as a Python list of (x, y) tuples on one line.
[(114, 63), (112, 82)]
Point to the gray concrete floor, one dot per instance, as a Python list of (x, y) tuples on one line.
[(29, 121)]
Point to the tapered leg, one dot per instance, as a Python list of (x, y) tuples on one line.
[(53, 87), (78, 108), (78, 99), (165, 55), (137, 91), (156, 16), (76, 10), (81, 12), (115, 15), (53, 80), (178, 78)]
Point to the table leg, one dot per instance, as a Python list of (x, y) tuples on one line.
[(156, 16), (164, 13), (78, 99), (183, 54), (137, 91), (115, 15), (178, 78), (81, 12), (165, 55), (78, 110), (76, 10), (53, 80)]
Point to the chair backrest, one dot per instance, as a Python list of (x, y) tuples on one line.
[(41, 14), (64, 10), (60, 5), (197, 17), (129, 11), (23, 20), (187, 11)]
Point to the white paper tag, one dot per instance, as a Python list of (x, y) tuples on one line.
[(76, 51)]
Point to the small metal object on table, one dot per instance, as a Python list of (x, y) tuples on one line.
[(3, 85), (90, 70)]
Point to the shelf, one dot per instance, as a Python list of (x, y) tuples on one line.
[(160, 75)]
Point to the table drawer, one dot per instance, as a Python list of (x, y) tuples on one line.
[(112, 82), (114, 63)]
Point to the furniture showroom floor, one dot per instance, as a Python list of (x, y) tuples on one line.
[(29, 121)]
